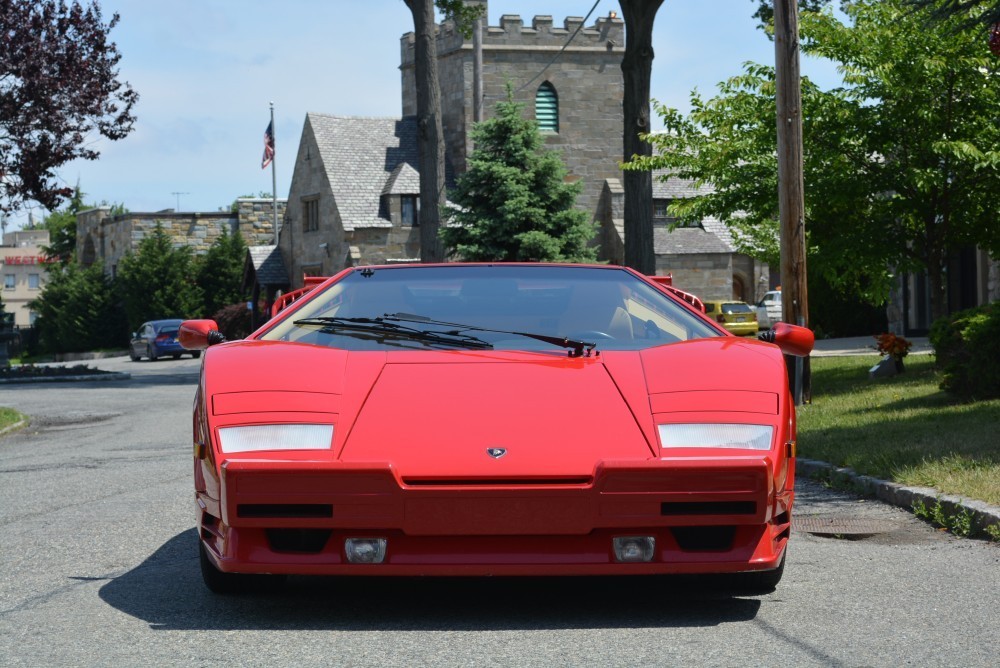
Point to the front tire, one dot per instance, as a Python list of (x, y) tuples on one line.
[(222, 583), (757, 583), (132, 356), (196, 354)]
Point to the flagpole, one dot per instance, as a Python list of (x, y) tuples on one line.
[(274, 182)]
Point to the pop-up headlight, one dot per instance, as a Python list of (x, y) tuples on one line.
[(258, 437), (739, 436)]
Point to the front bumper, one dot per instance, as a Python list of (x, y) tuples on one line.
[(707, 515)]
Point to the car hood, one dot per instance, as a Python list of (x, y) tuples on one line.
[(448, 415)]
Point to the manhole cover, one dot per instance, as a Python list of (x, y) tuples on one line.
[(838, 525)]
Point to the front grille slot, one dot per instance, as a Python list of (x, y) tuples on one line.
[(704, 539), (298, 540), (494, 482), (284, 510), (671, 508)]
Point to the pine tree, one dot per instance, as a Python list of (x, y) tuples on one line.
[(220, 272), (513, 203), (158, 281), (78, 311)]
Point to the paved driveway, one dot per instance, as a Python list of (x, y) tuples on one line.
[(98, 568)]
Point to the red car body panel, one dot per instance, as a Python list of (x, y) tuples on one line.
[(408, 459)]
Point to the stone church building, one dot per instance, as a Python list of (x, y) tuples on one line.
[(354, 192)]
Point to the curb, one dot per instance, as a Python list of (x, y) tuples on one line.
[(114, 375), (983, 515), (13, 427)]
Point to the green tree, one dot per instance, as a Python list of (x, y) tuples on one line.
[(901, 164), (158, 281), (61, 225), (78, 311), (220, 272), (59, 91), (513, 203)]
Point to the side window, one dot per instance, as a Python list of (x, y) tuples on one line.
[(410, 207), (310, 214), (547, 108)]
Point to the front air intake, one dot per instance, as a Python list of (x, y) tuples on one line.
[(284, 510)]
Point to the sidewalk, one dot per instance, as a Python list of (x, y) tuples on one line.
[(864, 345)]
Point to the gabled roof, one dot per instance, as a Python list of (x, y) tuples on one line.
[(404, 180), (267, 266), (360, 157), (712, 237)]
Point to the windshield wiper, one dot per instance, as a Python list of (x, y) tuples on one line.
[(380, 326), (576, 348)]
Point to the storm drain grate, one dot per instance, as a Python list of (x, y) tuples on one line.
[(840, 525)]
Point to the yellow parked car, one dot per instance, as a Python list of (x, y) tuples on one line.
[(738, 317)]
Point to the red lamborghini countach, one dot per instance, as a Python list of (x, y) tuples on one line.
[(493, 419)]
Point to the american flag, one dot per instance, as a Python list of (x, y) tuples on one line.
[(268, 145)]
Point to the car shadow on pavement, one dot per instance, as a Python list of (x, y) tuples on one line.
[(166, 591)]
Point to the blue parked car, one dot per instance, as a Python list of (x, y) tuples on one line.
[(158, 338)]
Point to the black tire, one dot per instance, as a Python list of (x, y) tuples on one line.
[(132, 356), (222, 583), (176, 356), (149, 353), (756, 583), (196, 354)]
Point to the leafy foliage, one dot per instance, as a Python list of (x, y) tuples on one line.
[(79, 311), (513, 203), (58, 87), (967, 346), (158, 282), (901, 164), (220, 272), (233, 321)]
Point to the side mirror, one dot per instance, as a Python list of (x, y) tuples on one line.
[(199, 334), (792, 339)]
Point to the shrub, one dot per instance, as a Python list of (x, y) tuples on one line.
[(233, 321), (967, 347)]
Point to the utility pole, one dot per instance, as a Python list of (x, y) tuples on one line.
[(791, 205), (477, 68)]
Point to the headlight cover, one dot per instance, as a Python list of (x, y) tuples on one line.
[(738, 436), (259, 437)]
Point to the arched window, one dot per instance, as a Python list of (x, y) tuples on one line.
[(547, 108)]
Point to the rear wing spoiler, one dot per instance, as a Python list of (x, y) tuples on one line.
[(667, 283), (289, 298)]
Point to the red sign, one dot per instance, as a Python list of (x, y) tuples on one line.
[(26, 259)]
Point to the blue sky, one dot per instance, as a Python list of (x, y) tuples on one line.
[(206, 71)]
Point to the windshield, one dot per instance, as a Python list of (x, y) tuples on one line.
[(606, 306)]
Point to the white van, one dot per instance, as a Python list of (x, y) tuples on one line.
[(769, 309)]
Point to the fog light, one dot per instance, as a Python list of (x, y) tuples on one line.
[(634, 548), (365, 550)]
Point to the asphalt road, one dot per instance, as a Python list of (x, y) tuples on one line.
[(98, 568)]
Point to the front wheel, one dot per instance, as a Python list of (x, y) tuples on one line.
[(219, 582), (755, 583), (196, 354)]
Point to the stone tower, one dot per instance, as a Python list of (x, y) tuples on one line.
[(581, 79)]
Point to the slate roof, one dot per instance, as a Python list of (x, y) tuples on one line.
[(360, 156), (267, 265), (404, 180), (715, 237)]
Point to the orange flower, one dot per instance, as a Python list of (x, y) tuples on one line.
[(893, 345)]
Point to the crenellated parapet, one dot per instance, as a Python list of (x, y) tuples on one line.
[(607, 33)]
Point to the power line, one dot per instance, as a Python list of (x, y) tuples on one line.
[(562, 50)]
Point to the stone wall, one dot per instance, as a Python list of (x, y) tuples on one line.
[(706, 275), (106, 239), (587, 78)]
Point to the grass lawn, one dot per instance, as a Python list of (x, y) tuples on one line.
[(9, 416), (901, 428)]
